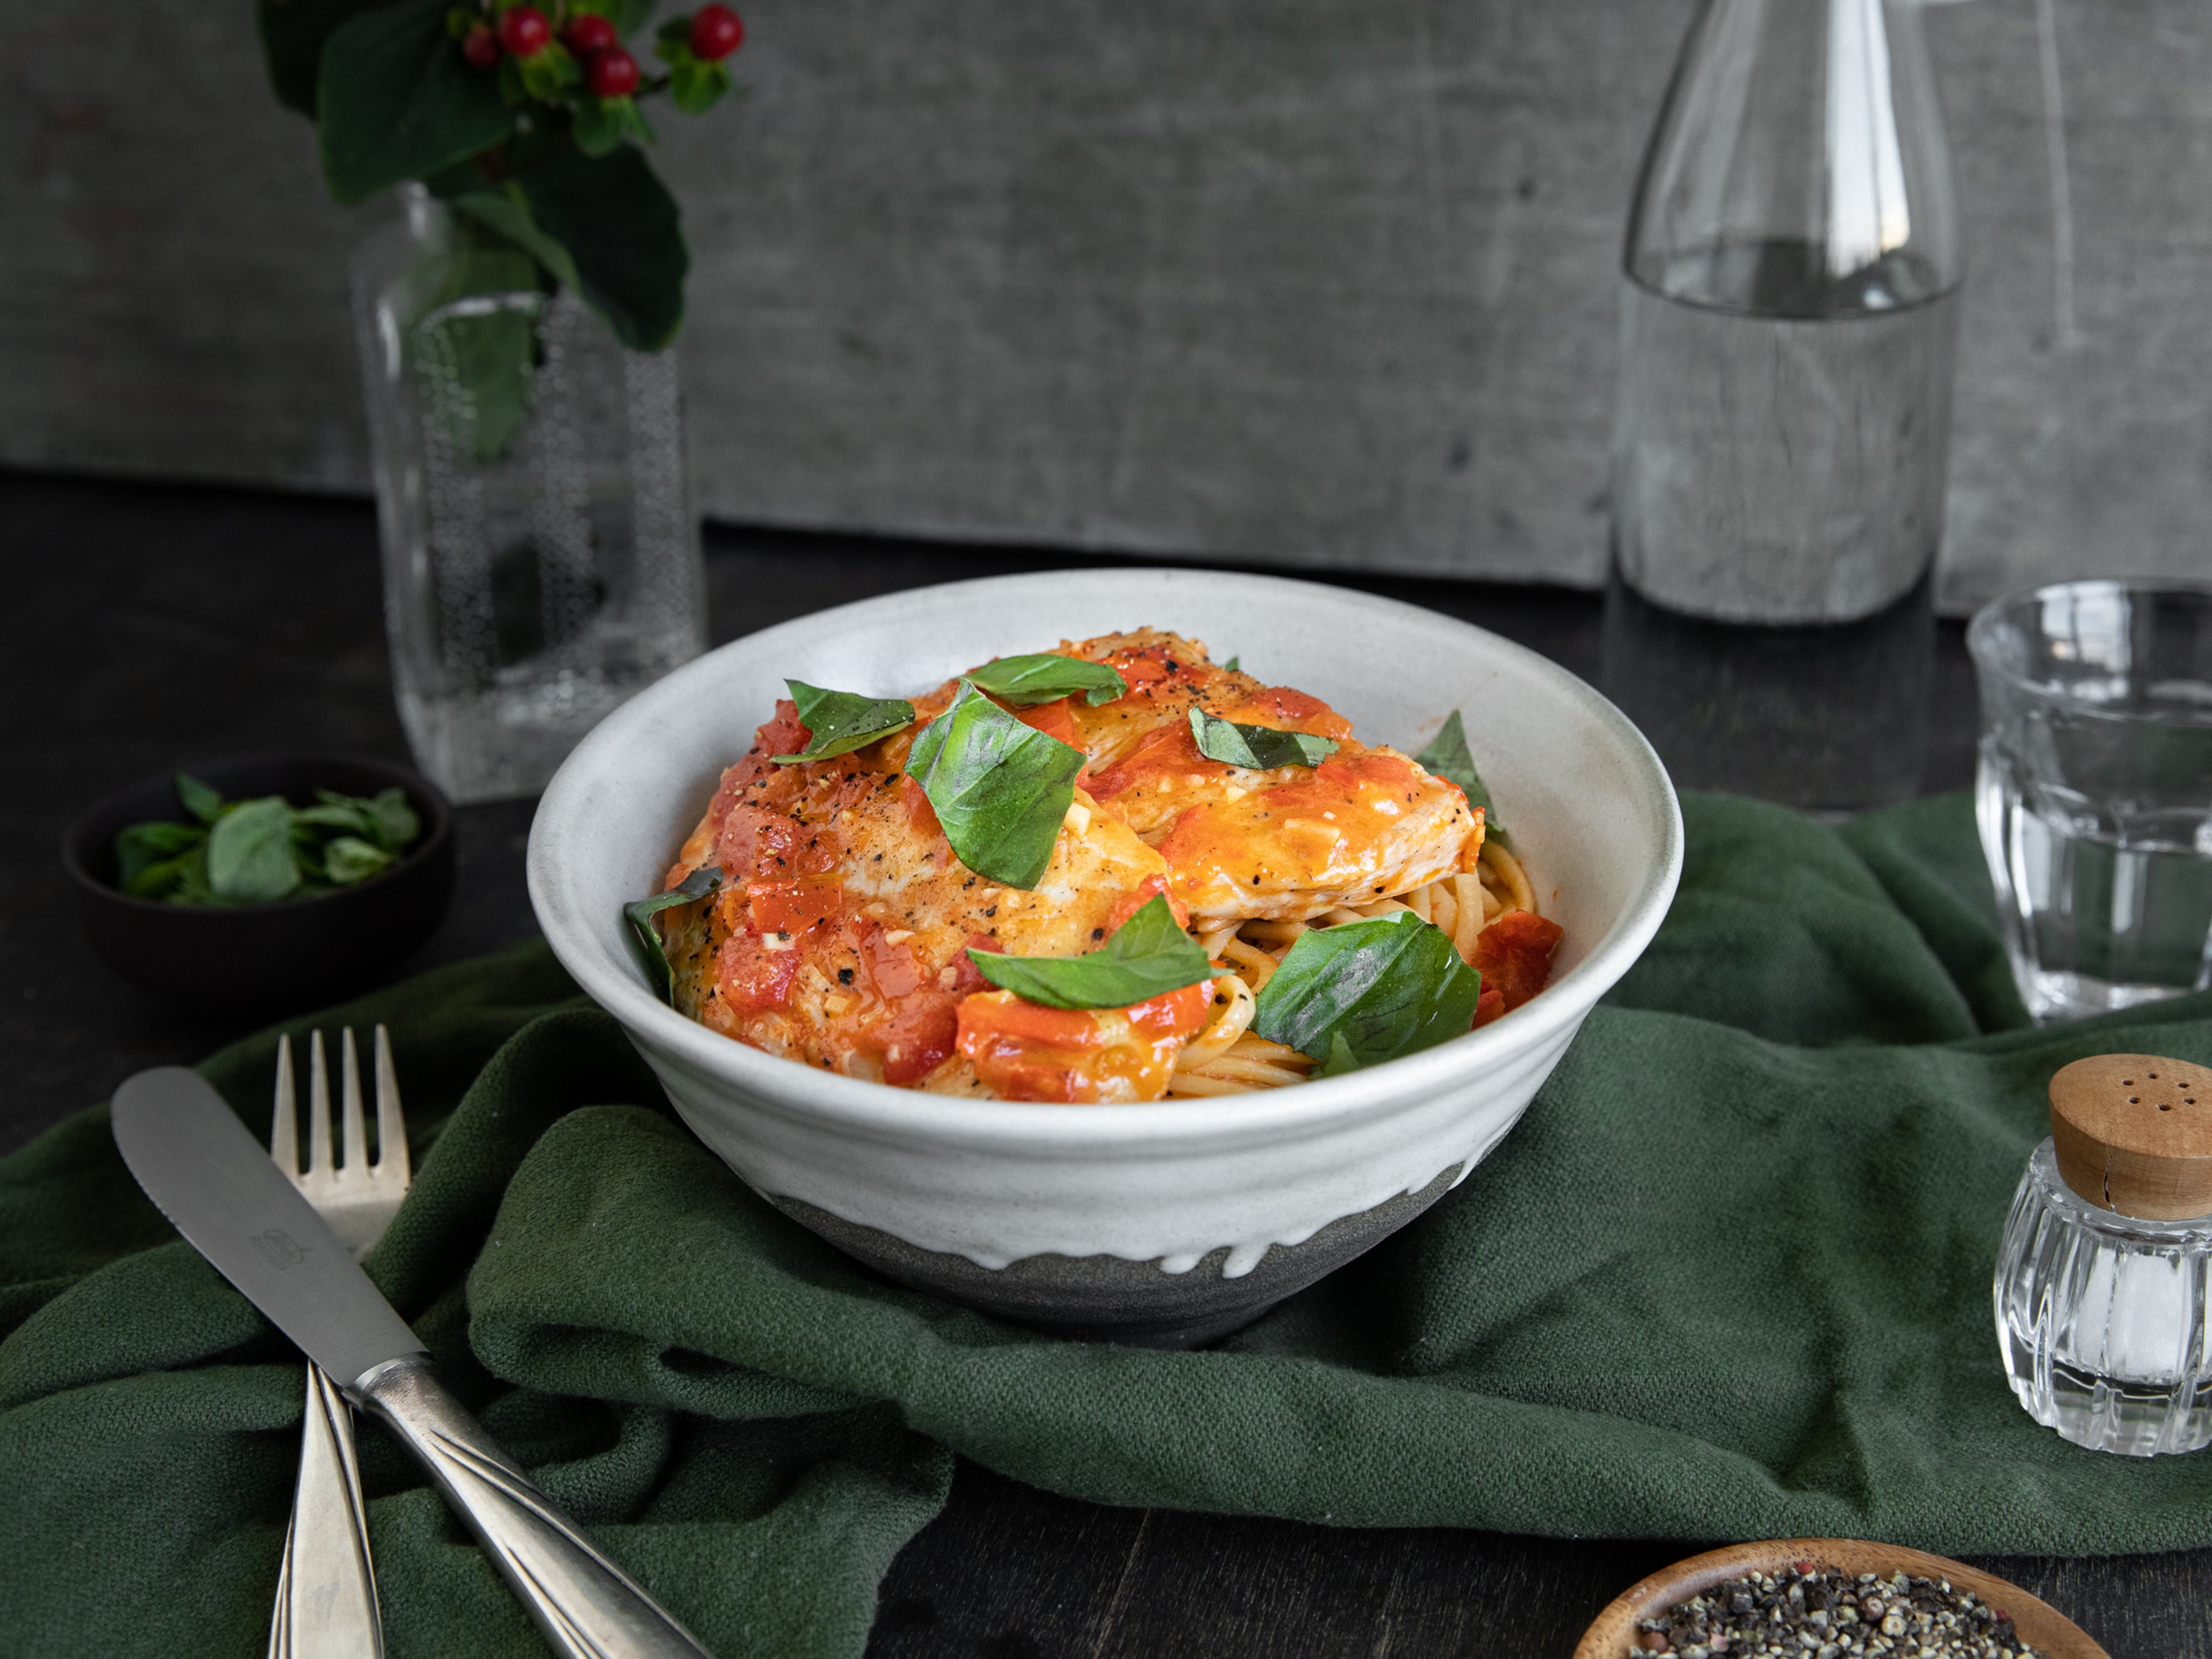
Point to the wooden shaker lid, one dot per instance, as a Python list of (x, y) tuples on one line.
[(2133, 1134)]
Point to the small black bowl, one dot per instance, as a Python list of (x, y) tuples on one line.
[(264, 958)]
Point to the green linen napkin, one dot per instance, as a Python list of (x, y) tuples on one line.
[(1729, 1276)]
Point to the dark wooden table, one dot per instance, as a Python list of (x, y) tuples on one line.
[(144, 627)]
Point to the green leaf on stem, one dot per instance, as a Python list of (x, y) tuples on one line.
[(838, 722), (1023, 682), (249, 852), (1259, 747), (292, 36), (1000, 788), (396, 99), (1148, 956), (695, 86), (547, 71), (1447, 757), (1365, 992), (645, 937), (601, 123), (474, 339), (622, 236)]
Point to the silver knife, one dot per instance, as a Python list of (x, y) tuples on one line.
[(216, 1184)]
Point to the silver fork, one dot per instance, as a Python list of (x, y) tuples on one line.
[(327, 1589)]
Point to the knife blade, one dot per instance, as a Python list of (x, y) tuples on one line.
[(216, 1183), (204, 1171)]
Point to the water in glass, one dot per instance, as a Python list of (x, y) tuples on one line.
[(2094, 791)]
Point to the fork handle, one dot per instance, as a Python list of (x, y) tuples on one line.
[(326, 1588), (587, 1607)]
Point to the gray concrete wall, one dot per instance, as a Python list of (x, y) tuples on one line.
[(1298, 281)]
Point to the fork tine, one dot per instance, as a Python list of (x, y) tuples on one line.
[(355, 1132), (319, 1162), (283, 1126), (390, 1126)]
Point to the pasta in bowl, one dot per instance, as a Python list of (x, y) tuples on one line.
[(1083, 875), (1161, 1199)]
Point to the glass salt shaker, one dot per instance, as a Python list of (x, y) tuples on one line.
[(2104, 1280)]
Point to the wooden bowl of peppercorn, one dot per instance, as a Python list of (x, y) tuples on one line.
[(1857, 1597)]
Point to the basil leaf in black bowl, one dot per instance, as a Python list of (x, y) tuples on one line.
[(334, 894)]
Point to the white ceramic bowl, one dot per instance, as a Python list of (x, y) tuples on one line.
[(1174, 1221)]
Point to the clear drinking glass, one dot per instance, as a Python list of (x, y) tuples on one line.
[(2101, 1318), (541, 558), (1788, 320), (2093, 790)]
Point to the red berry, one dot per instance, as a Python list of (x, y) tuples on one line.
[(613, 74), (716, 32), (481, 46), (591, 33), (524, 31)]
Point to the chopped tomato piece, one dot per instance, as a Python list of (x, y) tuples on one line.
[(891, 965), (792, 907), (1141, 895), (916, 1038), (1514, 955), (1488, 1006), (919, 812), (1307, 714), (1167, 752), (753, 977), (1024, 1051)]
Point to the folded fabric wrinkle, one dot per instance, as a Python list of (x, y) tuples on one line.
[(1730, 1276)]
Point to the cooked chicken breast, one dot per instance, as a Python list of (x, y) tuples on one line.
[(839, 939)]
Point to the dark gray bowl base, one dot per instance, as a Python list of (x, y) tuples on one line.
[(1106, 1298)]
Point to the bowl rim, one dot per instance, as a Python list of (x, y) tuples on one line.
[(881, 1113), (438, 829)]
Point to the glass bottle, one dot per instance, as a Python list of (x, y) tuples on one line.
[(2104, 1279), (541, 558), (1790, 315)]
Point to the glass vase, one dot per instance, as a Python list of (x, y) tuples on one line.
[(541, 558), (1790, 317)]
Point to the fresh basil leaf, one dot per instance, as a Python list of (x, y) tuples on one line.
[(1234, 665), (249, 852), (1388, 986), (204, 801), (1447, 757), (337, 815), (192, 879), (1260, 747), (838, 722), (1000, 788), (143, 848), (394, 100), (396, 822), (1148, 955), (1042, 678), (348, 858), (645, 937)]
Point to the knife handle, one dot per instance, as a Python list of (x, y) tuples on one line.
[(587, 1607)]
